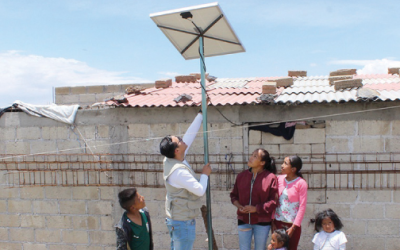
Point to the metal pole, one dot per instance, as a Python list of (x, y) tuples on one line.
[(205, 136)]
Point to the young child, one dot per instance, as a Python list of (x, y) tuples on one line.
[(134, 228), (279, 240), (330, 238)]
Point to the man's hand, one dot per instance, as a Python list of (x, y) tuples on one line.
[(207, 169)]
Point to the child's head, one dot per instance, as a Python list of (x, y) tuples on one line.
[(130, 199), (328, 221), (280, 239)]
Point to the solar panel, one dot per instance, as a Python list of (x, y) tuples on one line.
[(208, 21)]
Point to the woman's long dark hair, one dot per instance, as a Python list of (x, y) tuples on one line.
[(269, 161), (297, 163)]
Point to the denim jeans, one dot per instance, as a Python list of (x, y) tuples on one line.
[(182, 233), (246, 232)]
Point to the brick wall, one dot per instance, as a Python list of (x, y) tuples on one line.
[(76, 218)]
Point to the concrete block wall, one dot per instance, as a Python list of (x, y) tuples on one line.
[(83, 217), (88, 95)]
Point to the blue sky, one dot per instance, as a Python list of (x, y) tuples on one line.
[(47, 43)]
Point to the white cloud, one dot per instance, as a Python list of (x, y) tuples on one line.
[(378, 66), (30, 78), (168, 74)]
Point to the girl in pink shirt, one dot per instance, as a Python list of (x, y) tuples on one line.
[(292, 199)]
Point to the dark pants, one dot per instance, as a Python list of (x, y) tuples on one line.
[(294, 240)]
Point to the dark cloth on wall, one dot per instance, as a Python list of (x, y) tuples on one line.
[(281, 130)]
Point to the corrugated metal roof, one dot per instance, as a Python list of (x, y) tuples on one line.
[(240, 91)]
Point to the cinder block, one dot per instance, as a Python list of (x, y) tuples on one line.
[(353, 227), (342, 72), (100, 207), (28, 133), (351, 83), (297, 73), (7, 134), (85, 193), (375, 196), (268, 138), (224, 225), (35, 221), (163, 83), (71, 147), (163, 129), (273, 151), (392, 211), (332, 79), (139, 130), (72, 207), (12, 119), (102, 237), (393, 71), (3, 206), (316, 197), (221, 130), (47, 147), (9, 193), (314, 135), (395, 128), (290, 149), (383, 227), (69, 99), (78, 90), (45, 207), (269, 88), (185, 78), (77, 237), (22, 234), (19, 206), (368, 144), (255, 137), (58, 192), (283, 82), (86, 222), (343, 196), (59, 222), (84, 247), (52, 133), (370, 211), (63, 90), (154, 194), (342, 210), (113, 88), (318, 149), (34, 246), (104, 96), (103, 131), (3, 234), (48, 235), (87, 99), (334, 128), (392, 243), (11, 246), (392, 144), (337, 145), (64, 247), (95, 89), (373, 128)]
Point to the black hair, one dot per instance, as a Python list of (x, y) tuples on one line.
[(269, 161), (167, 147), (282, 236), (297, 163), (126, 198), (327, 214)]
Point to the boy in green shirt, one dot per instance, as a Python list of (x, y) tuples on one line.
[(134, 228)]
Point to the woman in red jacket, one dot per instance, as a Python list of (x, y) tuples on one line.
[(292, 199), (255, 194)]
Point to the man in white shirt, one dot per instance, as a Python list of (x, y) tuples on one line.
[(184, 190)]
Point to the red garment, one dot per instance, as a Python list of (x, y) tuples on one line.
[(294, 240), (264, 195)]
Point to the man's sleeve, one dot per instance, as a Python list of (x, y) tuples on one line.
[(181, 178), (192, 131)]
